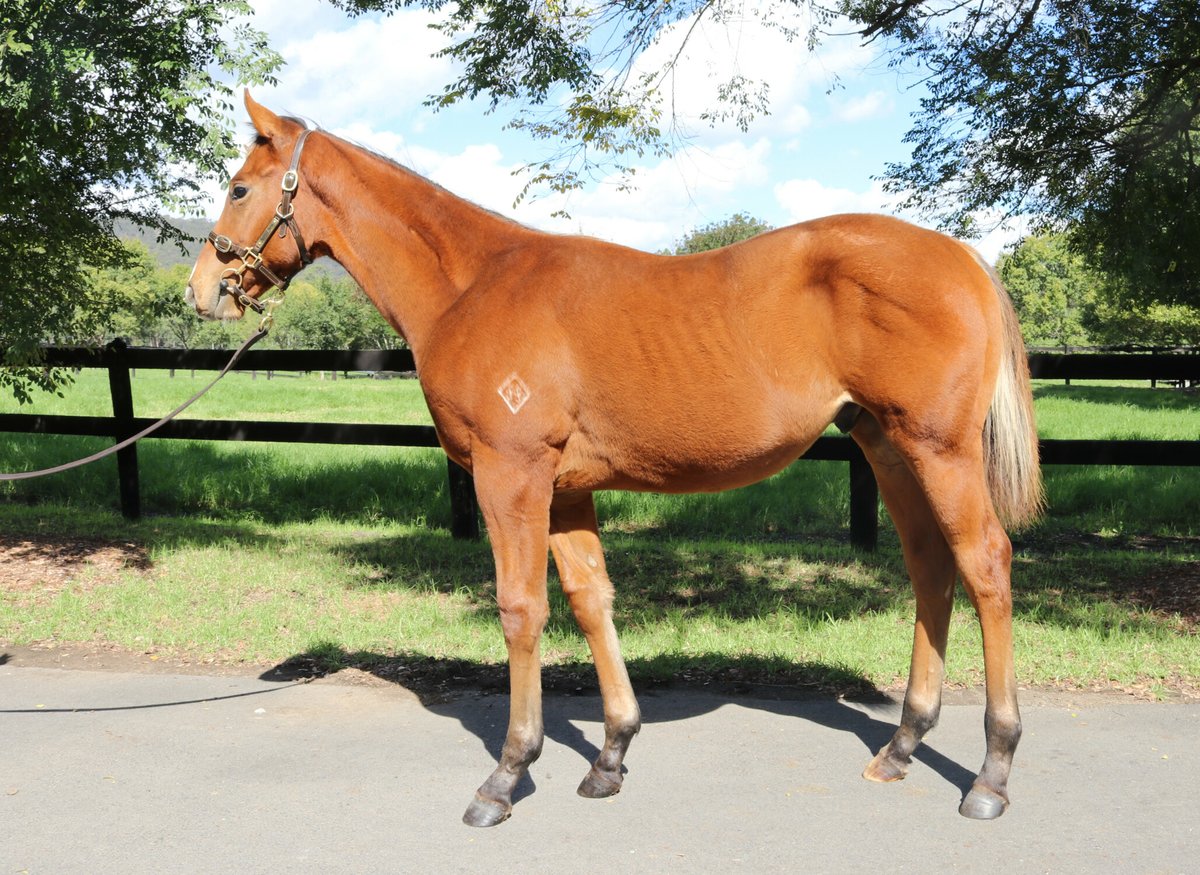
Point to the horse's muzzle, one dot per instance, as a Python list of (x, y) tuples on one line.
[(219, 309)]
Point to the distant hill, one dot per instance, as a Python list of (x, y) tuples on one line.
[(167, 254)]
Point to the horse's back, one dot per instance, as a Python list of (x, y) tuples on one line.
[(781, 325)]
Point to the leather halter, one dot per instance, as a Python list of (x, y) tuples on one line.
[(251, 256)]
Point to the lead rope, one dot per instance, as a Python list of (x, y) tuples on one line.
[(95, 457)]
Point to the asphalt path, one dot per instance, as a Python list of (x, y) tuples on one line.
[(168, 773)]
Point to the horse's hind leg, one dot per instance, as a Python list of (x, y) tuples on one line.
[(954, 484), (931, 568), (515, 502), (575, 542)]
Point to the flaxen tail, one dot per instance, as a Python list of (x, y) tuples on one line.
[(1010, 442)]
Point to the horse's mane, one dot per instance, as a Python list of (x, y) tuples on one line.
[(406, 169), (307, 124)]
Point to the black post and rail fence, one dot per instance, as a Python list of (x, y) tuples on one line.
[(864, 497)]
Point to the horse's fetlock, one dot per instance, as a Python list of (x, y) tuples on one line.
[(623, 728), (1003, 734), (519, 753), (919, 721)]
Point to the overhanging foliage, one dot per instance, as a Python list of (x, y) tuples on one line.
[(109, 109)]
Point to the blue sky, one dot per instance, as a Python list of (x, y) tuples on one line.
[(818, 152)]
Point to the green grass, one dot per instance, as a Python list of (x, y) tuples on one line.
[(1116, 412), (339, 555), (1120, 499)]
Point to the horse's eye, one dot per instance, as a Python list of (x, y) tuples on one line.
[(238, 192)]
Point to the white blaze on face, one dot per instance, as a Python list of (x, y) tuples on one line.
[(189, 295)]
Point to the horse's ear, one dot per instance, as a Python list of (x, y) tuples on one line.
[(265, 122)]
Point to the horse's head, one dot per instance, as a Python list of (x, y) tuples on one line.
[(248, 256)]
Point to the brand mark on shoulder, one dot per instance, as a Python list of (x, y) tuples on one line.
[(514, 392)]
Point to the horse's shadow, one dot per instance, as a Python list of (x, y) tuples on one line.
[(561, 712), (483, 713)]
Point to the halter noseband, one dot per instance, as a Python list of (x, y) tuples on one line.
[(251, 256)]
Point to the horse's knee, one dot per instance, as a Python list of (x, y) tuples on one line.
[(592, 607), (523, 618), (987, 574)]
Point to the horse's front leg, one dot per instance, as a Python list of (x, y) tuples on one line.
[(575, 542), (515, 501)]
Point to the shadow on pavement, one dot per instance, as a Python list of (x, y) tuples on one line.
[(476, 696)]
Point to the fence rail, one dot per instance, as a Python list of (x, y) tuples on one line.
[(1153, 366), (864, 497)]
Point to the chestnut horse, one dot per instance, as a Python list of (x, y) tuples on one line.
[(554, 366)]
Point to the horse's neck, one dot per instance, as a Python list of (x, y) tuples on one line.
[(413, 247)]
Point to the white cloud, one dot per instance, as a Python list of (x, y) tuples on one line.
[(863, 107), (478, 173), (1003, 235), (698, 185), (795, 118), (388, 143), (366, 68), (287, 17), (803, 199)]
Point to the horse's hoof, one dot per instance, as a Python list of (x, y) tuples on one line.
[(597, 786), (486, 812), (981, 804), (884, 770)]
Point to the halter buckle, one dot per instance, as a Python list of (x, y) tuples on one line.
[(221, 243), (249, 303), (291, 180)]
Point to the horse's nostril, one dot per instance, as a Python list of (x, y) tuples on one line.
[(189, 296)]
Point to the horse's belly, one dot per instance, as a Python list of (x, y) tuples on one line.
[(684, 459)]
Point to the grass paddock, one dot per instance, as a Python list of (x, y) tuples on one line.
[(338, 555)]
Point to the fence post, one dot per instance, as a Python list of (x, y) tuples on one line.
[(464, 509), (121, 389), (864, 502)]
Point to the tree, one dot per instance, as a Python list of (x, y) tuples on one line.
[(1110, 322), (109, 110), (1083, 113), (175, 322), (122, 292), (1050, 287), (1143, 225), (1063, 301), (323, 312), (717, 234)]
